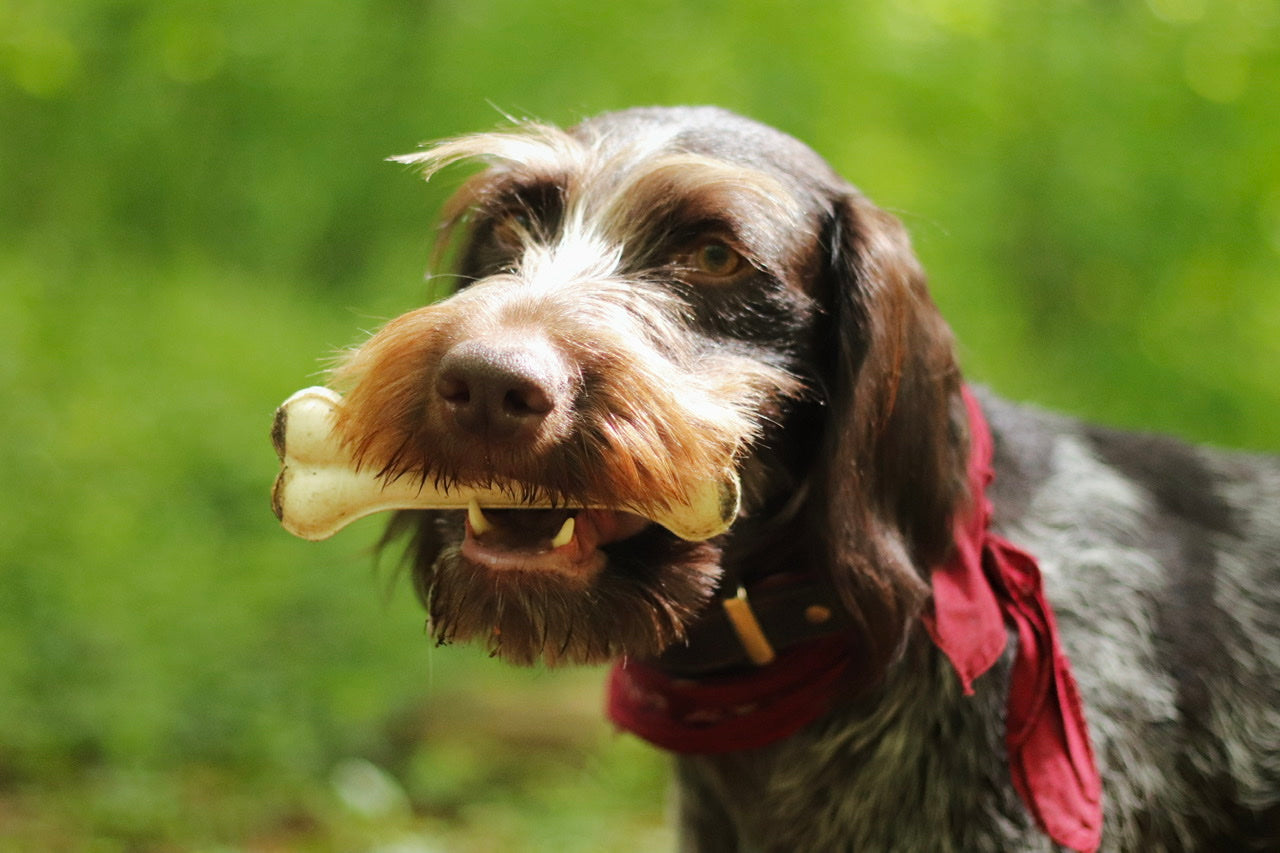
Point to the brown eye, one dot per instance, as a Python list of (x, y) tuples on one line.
[(716, 260), (511, 229)]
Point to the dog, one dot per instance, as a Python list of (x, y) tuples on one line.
[(939, 621)]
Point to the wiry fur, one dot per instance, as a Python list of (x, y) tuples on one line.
[(1189, 749), (540, 618), (664, 413), (825, 376)]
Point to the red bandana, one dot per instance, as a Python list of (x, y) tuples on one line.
[(987, 584)]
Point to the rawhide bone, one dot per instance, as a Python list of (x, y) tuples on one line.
[(320, 489)]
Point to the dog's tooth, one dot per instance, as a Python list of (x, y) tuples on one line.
[(565, 536), (479, 524)]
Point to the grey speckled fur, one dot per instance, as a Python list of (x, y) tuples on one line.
[(1164, 573)]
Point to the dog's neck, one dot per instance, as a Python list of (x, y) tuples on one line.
[(769, 600), (752, 623), (987, 589)]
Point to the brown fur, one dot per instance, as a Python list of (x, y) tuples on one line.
[(897, 382)]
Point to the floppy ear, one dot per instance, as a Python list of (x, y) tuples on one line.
[(892, 471)]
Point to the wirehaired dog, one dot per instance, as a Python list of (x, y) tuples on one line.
[(883, 651)]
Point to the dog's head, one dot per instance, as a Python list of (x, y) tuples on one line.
[(647, 301)]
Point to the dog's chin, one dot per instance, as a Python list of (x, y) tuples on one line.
[(617, 586)]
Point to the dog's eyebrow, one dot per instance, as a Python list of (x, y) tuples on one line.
[(527, 155), (695, 177), (532, 147), (682, 191)]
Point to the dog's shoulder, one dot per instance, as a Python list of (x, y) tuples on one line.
[(1054, 464), (1161, 560)]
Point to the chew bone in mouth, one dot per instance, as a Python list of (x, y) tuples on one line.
[(321, 489)]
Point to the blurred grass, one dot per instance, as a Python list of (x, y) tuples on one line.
[(178, 674), (194, 212)]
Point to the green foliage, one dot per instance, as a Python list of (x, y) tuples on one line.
[(194, 210)]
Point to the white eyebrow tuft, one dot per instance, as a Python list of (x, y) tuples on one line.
[(538, 147)]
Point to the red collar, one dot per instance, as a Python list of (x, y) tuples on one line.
[(986, 587)]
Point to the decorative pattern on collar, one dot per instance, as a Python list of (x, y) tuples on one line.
[(986, 585)]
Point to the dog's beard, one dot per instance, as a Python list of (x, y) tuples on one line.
[(652, 586)]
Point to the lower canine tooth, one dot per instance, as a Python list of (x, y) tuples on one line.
[(565, 536), (479, 524)]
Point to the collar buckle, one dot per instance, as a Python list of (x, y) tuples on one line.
[(745, 625)]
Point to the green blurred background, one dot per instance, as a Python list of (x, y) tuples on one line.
[(195, 210)]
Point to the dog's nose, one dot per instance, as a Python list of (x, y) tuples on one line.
[(501, 392)]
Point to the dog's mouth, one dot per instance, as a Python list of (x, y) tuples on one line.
[(322, 487), (567, 542)]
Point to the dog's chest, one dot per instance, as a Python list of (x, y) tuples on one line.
[(908, 770)]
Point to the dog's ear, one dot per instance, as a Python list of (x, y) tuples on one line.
[(892, 468)]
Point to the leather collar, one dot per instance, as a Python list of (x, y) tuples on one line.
[(753, 624)]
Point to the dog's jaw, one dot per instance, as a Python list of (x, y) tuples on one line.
[(631, 596), (563, 542)]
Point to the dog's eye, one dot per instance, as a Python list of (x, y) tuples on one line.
[(714, 259), (512, 229)]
